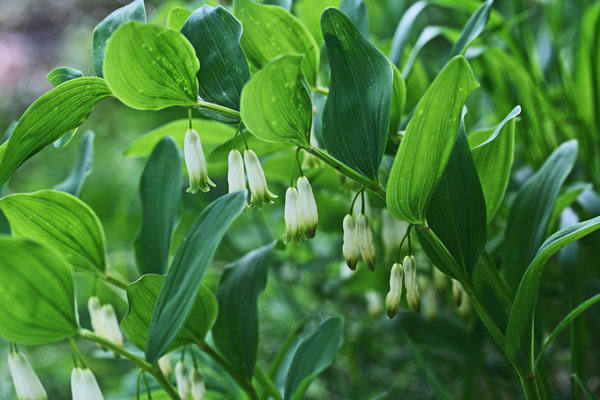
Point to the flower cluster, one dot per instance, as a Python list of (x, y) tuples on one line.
[(104, 321), (406, 271), (358, 239), (257, 182), (189, 383), (301, 215)]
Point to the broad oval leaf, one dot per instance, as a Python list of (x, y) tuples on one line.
[(134, 11), (37, 296), (270, 31), (83, 167), (356, 116), (236, 331), (151, 67), (315, 352), (193, 257), (475, 25), (63, 74), (142, 296), (53, 114), (160, 192), (428, 142), (60, 221), (276, 102)]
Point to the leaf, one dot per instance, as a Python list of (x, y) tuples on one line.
[(276, 102), (160, 192), (428, 34), (133, 11), (63, 74), (215, 35), (236, 331), (60, 221), (493, 157), (177, 16), (475, 25), (315, 352), (270, 31), (37, 297), (151, 67), (564, 200), (531, 210), (53, 114), (398, 101), (428, 142), (83, 167), (142, 296), (404, 29), (356, 116), (356, 11), (519, 332), (191, 261), (456, 211)]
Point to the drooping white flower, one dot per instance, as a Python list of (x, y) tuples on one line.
[(96, 315), (392, 300), (164, 363), (351, 247), (110, 325), (182, 378), (84, 385), (392, 232), (235, 173), (293, 229), (365, 241), (195, 163), (308, 208), (457, 292), (256, 181), (413, 297), (197, 383), (27, 384)]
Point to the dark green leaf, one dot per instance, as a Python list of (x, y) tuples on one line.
[(404, 29), (428, 34), (475, 25), (356, 11), (177, 17), (564, 200), (73, 183), (63, 74)]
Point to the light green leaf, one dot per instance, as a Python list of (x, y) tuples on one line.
[(63, 74), (398, 101), (160, 192), (177, 16), (60, 221), (37, 296), (404, 29), (276, 103), (356, 117), (133, 11), (309, 12), (142, 296), (83, 167), (475, 25), (270, 31), (428, 34), (52, 115), (151, 67), (191, 261), (428, 142)]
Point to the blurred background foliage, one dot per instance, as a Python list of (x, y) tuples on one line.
[(540, 54)]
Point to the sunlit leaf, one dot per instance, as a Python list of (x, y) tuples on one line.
[(475, 25)]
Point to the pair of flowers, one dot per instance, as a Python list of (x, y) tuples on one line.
[(358, 239), (189, 383), (300, 214), (408, 270), (104, 321)]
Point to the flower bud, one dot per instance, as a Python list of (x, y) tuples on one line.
[(309, 217), (392, 300), (164, 363), (198, 388), (235, 173), (27, 384), (110, 325), (457, 292), (392, 232), (440, 281), (256, 181), (413, 297), (351, 248), (365, 241), (84, 385), (96, 317), (293, 229), (183, 382), (196, 163)]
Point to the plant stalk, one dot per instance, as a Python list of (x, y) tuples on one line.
[(228, 112)]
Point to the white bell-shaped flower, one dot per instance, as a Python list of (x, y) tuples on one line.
[(197, 383), (182, 378), (84, 385), (308, 208), (164, 363), (413, 297), (96, 315), (394, 296), (351, 247), (110, 325), (293, 228), (27, 384), (365, 241), (256, 181), (195, 163), (235, 172)]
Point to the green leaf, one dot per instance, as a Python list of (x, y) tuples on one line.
[(142, 296), (83, 167), (428, 34), (398, 101), (356, 11), (133, 11), (151, 67), (177, 16), (404, 29), (37, 296), (160, 192), (191, 261), (63, 74), (276, 102), (215, 35), (531, 210), (493, 155), (270, 31), (236, 331), (52, 115), (475, 25), (520, 329), (356, 117), (315, 352), (60, 221), (428, 142), (564, 200), (456, 212)]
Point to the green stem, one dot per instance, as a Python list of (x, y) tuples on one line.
[(319, 89), (266, 382), (139, 362), (228, 112), (530, 388), (114, 280)]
